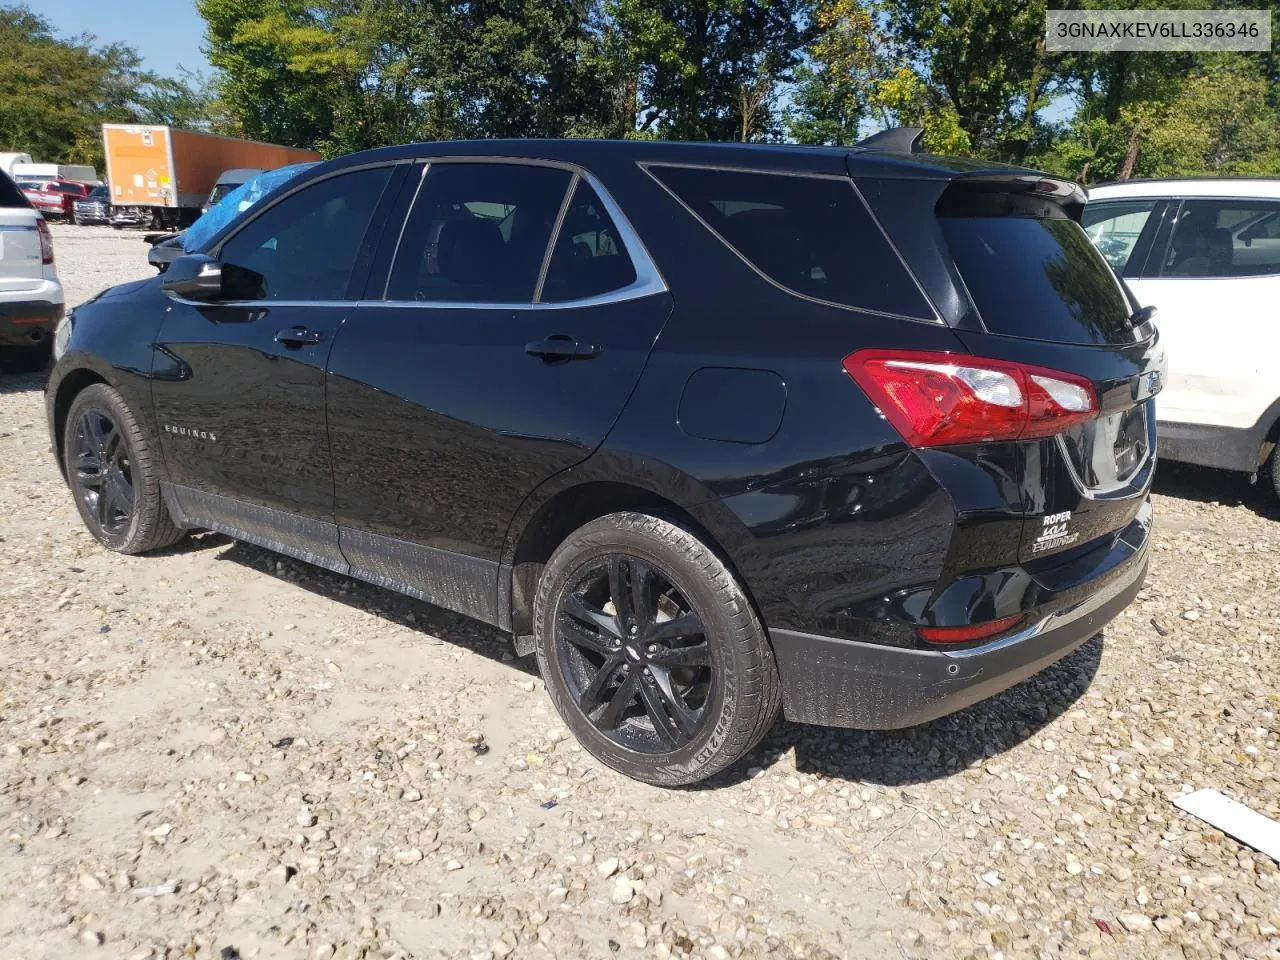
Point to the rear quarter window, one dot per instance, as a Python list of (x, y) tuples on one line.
[(811, 235), (10, 195)]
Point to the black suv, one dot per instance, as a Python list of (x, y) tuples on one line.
[(714, 430)]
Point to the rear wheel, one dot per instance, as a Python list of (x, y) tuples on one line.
[(114, 475), (652, 652)]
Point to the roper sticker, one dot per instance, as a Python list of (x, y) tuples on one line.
[(1055, 533)]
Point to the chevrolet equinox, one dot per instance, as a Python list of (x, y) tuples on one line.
[(857, 435)]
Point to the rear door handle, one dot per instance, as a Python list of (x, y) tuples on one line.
[(561, 347), (299, 336)]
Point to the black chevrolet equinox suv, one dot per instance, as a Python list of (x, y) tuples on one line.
[(715, 431)]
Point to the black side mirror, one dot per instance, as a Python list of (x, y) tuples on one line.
[(193, 277)]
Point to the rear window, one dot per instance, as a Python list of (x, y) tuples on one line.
[(811, 235), (1040, 279), (10, 195)]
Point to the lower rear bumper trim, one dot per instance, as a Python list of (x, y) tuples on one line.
[(843, 683)]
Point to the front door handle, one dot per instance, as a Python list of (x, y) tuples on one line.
[(561, 347), (299, 336)]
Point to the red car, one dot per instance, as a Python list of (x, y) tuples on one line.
[(55, 198)]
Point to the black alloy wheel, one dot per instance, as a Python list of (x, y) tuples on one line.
[(102, 472), (635, 654), (113, 472)]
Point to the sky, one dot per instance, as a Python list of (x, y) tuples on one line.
[(166, 33)]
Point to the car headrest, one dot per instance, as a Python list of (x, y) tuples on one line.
[(469, 249)]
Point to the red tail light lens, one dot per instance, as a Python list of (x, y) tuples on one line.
[(936, 399), (46, 241), (969, 632)]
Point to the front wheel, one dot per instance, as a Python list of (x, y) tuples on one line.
[(1273, 469), (114, 474), (652, 652)]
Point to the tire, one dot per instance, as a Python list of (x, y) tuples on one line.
[(1273, 470), (103, 445), (31, 359), (703, 691)]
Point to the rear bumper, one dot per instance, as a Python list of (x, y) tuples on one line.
[(1228, 448), (843, 683), (28, 323)]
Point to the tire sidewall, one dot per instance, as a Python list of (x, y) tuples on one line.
[(1275, 471), (97, 397), (696, 760)]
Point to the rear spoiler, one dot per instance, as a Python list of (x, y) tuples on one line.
[(894, 140), (1012, 195)]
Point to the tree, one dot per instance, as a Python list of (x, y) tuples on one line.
[(343, 75), (836, 85), (184, 101), (982, 59), (264, 98), (692, 61), (55, 94)]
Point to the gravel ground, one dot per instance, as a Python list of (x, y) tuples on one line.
[(220, 753)]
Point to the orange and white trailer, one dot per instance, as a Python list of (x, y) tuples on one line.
[(161, 175)]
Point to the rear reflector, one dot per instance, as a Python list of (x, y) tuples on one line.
[(28, 321), (934, 399), (969, 632), (46, 241)]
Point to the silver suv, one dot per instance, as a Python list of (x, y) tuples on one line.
[(31, 300)]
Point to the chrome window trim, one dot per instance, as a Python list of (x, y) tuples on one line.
[(936, 320), (649, 280)]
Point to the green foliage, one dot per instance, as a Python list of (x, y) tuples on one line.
[(703, 69), (835, 88), (343, 75), (55, 94)]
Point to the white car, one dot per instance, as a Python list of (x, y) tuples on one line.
[(1206, 254), (31, 299)]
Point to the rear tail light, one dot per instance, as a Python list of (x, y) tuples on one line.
[(969, 632), (46, 241), (934, 399)]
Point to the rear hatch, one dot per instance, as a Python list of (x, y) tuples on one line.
[(1005, 260), (1044, 296), (21, 262)]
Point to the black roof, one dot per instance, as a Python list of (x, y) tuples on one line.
[(769, 156)]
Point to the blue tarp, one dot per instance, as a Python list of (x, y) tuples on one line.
[(235, 203)]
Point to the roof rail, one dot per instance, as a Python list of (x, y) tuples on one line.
[(894, 140)]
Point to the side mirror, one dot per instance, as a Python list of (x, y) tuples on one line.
[(193, 277)]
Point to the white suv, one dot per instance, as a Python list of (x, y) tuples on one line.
[(31, 300), (1206, 255)]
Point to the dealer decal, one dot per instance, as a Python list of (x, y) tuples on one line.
[(1054, 533)]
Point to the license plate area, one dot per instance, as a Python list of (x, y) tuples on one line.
[(1104, 455)]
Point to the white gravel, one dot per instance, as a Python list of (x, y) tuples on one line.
[(221, 753)]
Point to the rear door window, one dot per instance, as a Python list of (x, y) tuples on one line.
[(1225, 238), (1115, 227), (478, 233), (1040, 279), (811, 235)]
